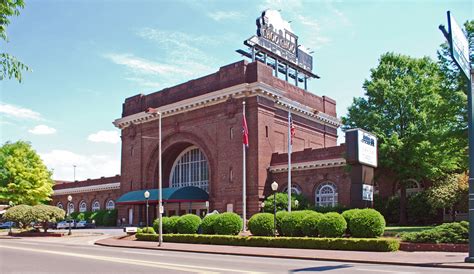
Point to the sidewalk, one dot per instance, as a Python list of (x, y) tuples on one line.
[(426, 259)]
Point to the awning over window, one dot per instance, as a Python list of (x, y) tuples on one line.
[(170, 195)]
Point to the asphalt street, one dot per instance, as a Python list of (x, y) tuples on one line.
[(27, 256)]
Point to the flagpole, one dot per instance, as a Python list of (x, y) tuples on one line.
[(244, 183), (289, 161)]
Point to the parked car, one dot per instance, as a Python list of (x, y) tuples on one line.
[(7, 225), (65, 224)]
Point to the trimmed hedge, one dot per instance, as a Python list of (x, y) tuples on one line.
[(291, 223), (228, 223), (332, 224), (262, 224), (207, 225), (366, 223), (188, 224), (168, 224), (348, 215), (454, 233), (146, 230), (279, 217), (309, 225), (283, 242)]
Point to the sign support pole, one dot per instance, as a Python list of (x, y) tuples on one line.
[(470, 258)]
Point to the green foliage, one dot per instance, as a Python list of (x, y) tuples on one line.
[(147, 230), (102, 217), (419, 210), (207, 225), (45, 214), (279, 218), (109, 218), (24, 179), (326, 209), (188, 224), (309, 225), (382, 244), (228, 223), (21, 214), (169, 224), (291, 224), (365, 223), (448, 192), (332, 224), (348, 215), (282, 202), (262, 224), (454, 233)]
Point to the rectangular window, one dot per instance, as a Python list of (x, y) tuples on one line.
[(266, 131), (231, 175), (231, 133)]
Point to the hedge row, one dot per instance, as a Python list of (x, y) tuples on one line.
[(101, 217), (360, 244), (453, 233)]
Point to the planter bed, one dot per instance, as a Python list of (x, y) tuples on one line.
[(36, 234), (405, 246), (381, 244)]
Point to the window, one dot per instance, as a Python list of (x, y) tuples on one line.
[(231, 133), (190, 169), (326, 194), (82, 206), (231, 175), (70, 207), (95, 206), (110, 205), (60, 205), (295, 189), (266, 131)]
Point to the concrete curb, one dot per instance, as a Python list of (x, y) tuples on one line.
[(467, 266)]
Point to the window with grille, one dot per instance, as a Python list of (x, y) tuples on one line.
[(326, 194), (190, 169)]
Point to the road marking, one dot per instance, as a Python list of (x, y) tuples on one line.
[(142, 253), (386, 271), (187, 268)]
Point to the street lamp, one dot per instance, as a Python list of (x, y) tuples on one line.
[(69, 198), (296, 204), (274, 188), (10, 204), (147, 195), (263, 206), (207, 207)]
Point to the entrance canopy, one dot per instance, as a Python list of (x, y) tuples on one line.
[(170, 195)]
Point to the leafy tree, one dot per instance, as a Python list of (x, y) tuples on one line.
[(449, 192), (9, 65), (45, 214), (402, 107), (282, 202), (24, 179), (20, 214)]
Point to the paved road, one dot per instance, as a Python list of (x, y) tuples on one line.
[(26, 256)]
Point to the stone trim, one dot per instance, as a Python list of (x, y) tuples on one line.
[(238, 91), (339, 162), (83, 189)]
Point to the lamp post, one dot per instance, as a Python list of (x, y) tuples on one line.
[(10, 204), (147, 195), (296, 204), (263, 206), (274, 188), (69, 199), (207, 207)]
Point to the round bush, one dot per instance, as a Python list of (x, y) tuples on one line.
[(366, 223), (168, 224), (348, 215), (207, 225), (262, 224), (332, 224), (188, 224), (291, 223), (309, 225), (228, 223), (148, 230), (279, 217)]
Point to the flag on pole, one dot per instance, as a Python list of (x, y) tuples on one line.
[(245, 132), (292, 130)]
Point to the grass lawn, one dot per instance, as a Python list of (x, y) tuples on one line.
[(394, 230)]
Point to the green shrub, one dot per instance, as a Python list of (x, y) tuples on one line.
[(419, 210), (168, 224), (382, 244), (98, 217), (262, 224), (228, 223), (326, 209), (332, 224), (366, 223), (348, 215), (45, 214), (75, 216), (465, 224), (188, 224), (282, 202), (207, 225), (109, 217), (291, 223), (455, 233), (20, 214), (279, 217), (147, 230), (309, 225)]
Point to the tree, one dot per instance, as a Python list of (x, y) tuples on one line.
[(402, 107), (20, 214), (24, 179), (45, 214), (282, 202), (9, 65), (449, 192)]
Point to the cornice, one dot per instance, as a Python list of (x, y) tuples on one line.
[(338, 162), (73, 190)]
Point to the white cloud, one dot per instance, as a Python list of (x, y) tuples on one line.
[(224, 15), (19, 112), (146, 83), (142, 65), (42, 130), (103, 136), (87, 166)]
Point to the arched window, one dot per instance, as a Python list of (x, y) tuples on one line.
[(95, 206), (70, 207), (190, 169), (326, 194), (60, 205), (412, 187), (82, 206), (295, 189), (110, 205)]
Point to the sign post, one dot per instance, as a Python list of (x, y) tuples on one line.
[(459, 47)]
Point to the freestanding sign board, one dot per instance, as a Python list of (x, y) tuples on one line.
[(459, 46), (362, 147), (367, 193)]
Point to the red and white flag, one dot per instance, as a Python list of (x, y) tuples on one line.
[(292, 130), (245, 132)]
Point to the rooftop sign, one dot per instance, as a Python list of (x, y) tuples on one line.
[(459, 46)]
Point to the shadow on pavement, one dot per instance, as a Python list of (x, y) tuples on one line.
[(320, 268)]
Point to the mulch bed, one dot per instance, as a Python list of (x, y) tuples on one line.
[(404, 246), (36, 234)]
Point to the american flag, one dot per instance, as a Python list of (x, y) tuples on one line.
[(245, 132), (292, 130)]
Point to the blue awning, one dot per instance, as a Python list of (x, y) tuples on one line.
[(170, 195)]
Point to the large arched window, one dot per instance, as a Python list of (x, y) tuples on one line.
[(70, 207), (82, 206), (95, 206), (190, 169), (60, 205), (110, 205), (326, 194), (295, 189)]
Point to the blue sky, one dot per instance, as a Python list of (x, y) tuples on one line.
[(88, 56)]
